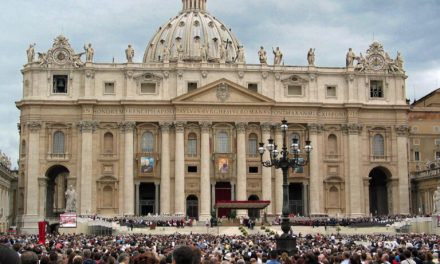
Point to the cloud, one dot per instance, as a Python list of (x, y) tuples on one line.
[(330, 26)]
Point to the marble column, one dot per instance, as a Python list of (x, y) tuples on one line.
[(33, 166), (266, 180), (156, 198), (86, 128), (42, 185), (179, 178), (137, 189), (128, 128), (205, 181), (278, 175), (355, 179), (402, 165), (315, 178), (213, 194), (306, 199), (233, 195), (241, 166), (165, 186)]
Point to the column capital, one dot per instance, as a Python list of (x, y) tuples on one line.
[(127, 126), (87, 126), (266, 127), (241, 127), (179, 126), (314, 128), (165, 126), (205, 126), (402, 130), (352, 129), (34, 126)]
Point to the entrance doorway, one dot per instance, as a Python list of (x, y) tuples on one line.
[(223, 193), (192, 207), (253, 213), (296, 202), (379, 191), (147, 198), (55, 191)]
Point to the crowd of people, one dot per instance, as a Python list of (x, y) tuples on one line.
[(210, 249)]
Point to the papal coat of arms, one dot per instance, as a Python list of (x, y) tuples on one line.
[(223, 92)]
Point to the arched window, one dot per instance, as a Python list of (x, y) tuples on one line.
[(378, 146), (222, 142), (192, 144), (147, 142), (58, 143), (332, 145), (253, 144), (108, 143)]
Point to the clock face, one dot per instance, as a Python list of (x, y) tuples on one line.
[(376, 62), (61, 56)]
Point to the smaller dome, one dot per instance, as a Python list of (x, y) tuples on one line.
[(194, 35)]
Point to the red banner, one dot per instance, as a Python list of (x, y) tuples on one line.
[(42, 233)]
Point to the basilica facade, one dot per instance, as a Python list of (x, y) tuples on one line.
[(179, 131)]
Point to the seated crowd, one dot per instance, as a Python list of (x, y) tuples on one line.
[(209, 249)]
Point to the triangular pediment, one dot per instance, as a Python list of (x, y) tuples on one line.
[(223, 91)]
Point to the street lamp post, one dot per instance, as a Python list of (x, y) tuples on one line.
[(293, 159)]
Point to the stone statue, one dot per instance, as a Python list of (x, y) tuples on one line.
[(42, 58), (362, 63), (165, 54), (203, 53), (262, 55), (31, 53), (278, 56), (222, 52), (436, 201), (240, 54), (70, 200), (180, 52), (311, 57), (399, 61), (90, 52), (350, 58), (76, 59), (129, 53)]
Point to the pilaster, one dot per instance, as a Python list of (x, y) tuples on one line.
[(179, 180), (266, 174), (165, 185), (355, 178), (241, 165), (402, 132), (205, 181), (86, 181), (128, 128), (278, 176), (316, 182)]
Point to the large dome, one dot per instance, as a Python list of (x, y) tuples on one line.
[(194, 35)]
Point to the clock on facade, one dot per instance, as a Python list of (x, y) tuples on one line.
[(376, 62)]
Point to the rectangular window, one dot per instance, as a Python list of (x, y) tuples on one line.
[(416, 156), (294, 90), (60, 83), (192, 146), (192, 86), (109, 88), (253, 169), (148, 88), (192, 169), (376, 89), (253, 87), (331, 91), (437, 142), (437, 129), (437, 155)]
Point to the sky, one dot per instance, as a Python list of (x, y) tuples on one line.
[(330, 26)]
